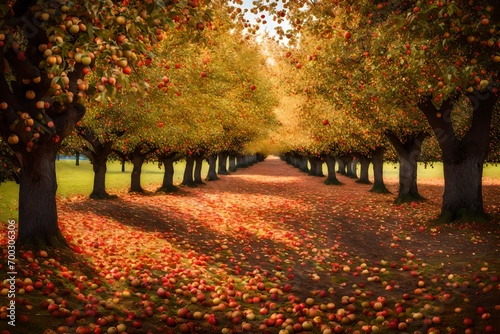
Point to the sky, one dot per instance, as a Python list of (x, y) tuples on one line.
[(270, 26)]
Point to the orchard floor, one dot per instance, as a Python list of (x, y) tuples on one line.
[(265, 249)]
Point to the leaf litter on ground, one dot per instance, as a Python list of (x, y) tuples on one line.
[(265, 249)]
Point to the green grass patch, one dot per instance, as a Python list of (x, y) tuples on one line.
[(78, 180)]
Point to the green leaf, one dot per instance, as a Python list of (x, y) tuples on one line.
[(90, 31), (170, 22)]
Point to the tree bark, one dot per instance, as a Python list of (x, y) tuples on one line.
[(354, 168), (364, 162), (240, 161), (98, 156), (349, 163), (222, 169), (187, 179), (197, 169), (463, 195), (99, 186), (378, 172), (212, 175), (408, 150), (38, 225), (341, 167), (77, 158), (232, 163), (167, 185), (302, 164), (135, 177), (313, 162), (319, 168), (248, 160), (463, 159), (331, 179)]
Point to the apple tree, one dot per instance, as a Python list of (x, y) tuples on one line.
[(9, 165), (434, 53), (47, 48), (448, 54), (222, 85)]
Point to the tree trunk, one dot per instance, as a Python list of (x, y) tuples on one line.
[(378, 172), (123, 166), (463, 195), (99, 158), (38, 227), (363, 173), (463, 159), (249, 160), (302, 164), (222, 169), (313, 161), (197, 169), (188, 180), (408, 151), (135, 182), (167, 185), (99, 188), (331, 179), (212, 175), (319, 168), (232, 163), (349, 163), (77, 158), (240, 162), (341, 167), (354, 168)]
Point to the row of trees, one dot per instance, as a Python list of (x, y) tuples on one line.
[(169, 80), (379, 75), (200, 102)]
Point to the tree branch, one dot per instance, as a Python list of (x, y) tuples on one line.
[(441, 124), (483, 104), (89, 136), (395, 141)]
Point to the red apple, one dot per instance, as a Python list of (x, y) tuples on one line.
[(21, 56), (468, 321)]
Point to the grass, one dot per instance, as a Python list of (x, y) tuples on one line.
[(73, 180)]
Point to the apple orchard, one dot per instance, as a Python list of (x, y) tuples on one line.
[(341, 84)]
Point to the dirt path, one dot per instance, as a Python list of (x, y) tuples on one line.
[(273, 218)]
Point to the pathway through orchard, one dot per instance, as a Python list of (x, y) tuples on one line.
[(269, 243)]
